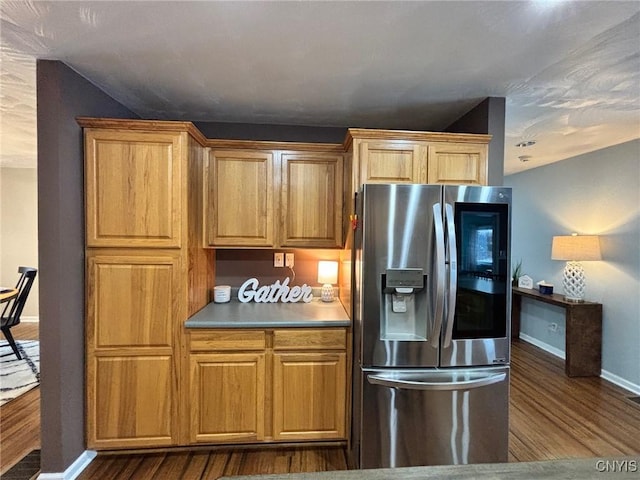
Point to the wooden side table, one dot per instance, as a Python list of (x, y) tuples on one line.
[(583, 337)]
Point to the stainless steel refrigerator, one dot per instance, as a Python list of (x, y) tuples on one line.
[(432, 303)]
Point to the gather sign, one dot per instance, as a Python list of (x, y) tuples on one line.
[(276, 292)]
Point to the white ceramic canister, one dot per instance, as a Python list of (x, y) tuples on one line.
[(221, 293)]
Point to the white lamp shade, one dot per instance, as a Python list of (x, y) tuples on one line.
[(576, 248), (327, 272)]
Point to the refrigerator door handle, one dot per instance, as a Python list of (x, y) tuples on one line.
[(435, 385), (452, 254), (440, 274)]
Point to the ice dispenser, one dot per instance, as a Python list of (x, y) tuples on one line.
[(403, 316)]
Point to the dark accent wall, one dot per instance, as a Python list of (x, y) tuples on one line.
[(62, 95), (487, 117), (234, 267), (276, 133)]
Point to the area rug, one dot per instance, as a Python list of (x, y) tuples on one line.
[(18, 376)]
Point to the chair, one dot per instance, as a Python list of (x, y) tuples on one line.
[(13, 309)]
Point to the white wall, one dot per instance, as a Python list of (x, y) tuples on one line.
[(596, 193), (19, 229)]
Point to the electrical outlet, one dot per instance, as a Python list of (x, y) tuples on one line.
[(289, 260), (278, 259)]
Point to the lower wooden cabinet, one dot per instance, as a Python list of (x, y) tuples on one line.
[(309, 396), (227, 397), (277, 385), (133, 401)]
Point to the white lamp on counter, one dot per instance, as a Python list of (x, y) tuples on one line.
[(575, 248), (327, 275)]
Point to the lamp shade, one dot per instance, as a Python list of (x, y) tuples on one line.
[(576, 248), (327, 272)]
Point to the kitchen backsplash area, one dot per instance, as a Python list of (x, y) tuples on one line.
[(234, 267)]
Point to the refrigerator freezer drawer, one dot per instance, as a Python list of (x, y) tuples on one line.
[(434, 417)]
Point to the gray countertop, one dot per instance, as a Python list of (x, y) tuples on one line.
[(236, 314), (571, 469)]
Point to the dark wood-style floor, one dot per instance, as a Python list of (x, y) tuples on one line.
[(552, 417)]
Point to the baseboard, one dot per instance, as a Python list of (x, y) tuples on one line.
[(621, 382), (74, 469), (606, 375), (29, 319), (544, 346)]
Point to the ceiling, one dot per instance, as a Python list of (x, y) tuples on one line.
[(569, 70)]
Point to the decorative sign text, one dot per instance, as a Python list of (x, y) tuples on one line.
[(276, 292)]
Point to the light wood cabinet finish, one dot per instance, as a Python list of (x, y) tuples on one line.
[(402, 156), (284, 384), (310, 339), (309, 396), (269, 198), (133, 401), (311, 200), (227, 397), (146, 273), (387, 161), (458, 163), (241, 196), (130, 302), (132, 188)]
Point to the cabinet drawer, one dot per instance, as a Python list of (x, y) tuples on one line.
[(226, 340), (310, 339)]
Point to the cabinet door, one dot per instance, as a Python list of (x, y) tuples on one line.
[(392, 162), (309, 391), (240, 190), (131, 402), (131, 366), (227, 397), (458, 163), (132, 188), (311, 200)]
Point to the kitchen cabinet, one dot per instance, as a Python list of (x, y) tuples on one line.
[(458, 163), (132, 188), (271, 196), (400, 156), (311, 200), (145, 274), (392, 161), (309, 378), (241, 191), (263, 386)]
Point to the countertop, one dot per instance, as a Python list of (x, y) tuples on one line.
[(236, 314), (571, 469)]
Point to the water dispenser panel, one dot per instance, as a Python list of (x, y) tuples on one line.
[(405, 278)]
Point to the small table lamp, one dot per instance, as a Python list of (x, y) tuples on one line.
[(575, 248), (327, 275)]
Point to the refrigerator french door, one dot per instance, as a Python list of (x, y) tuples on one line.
[(431, 329)]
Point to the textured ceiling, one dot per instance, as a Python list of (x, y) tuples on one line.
[(570, 71)]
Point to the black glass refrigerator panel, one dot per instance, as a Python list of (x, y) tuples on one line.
[(483, 270)]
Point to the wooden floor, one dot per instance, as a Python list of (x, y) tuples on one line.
[(20, 418), (552, 417)]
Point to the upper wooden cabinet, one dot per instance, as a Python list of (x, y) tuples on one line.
[(388, 161), (271, 197), (458, 163), (399, 156), (241, 194), (311, 200), (133, 188)]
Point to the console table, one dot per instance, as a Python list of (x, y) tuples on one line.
[(583, 337)]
